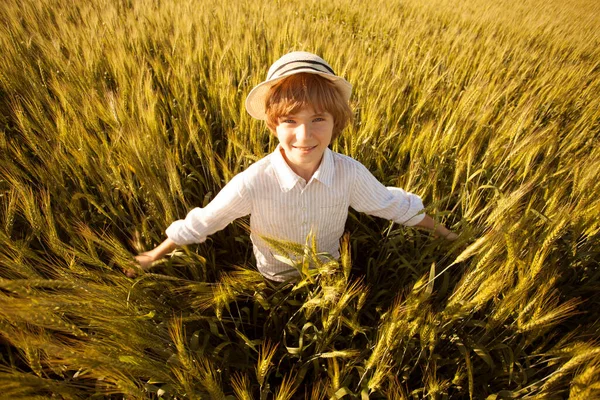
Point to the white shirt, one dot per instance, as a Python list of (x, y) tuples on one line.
[(283, 206)]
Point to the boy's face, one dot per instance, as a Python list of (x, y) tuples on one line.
[(304, 136)]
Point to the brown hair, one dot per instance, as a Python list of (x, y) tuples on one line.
[(307, 90)]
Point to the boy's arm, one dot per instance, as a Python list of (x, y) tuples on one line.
[(231, 202), (437, 228), (146, 258), (370, 196)]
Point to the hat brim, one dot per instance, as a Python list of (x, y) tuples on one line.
[(255, 102)]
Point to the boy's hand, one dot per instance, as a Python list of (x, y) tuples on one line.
[(451, 236), (145, 261), (439, 230), (147, 258)]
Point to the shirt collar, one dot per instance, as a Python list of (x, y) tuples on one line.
[(326, 170), (288, 178)]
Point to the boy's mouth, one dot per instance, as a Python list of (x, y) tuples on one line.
[(306, 148)]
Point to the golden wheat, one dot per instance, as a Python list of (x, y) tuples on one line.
[(118, 117)]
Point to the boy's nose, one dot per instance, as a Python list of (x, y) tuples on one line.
[(302, 132)]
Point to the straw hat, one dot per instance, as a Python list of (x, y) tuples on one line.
[(289, 64)]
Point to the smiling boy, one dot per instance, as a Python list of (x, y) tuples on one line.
[(303, 138), (302, 187)]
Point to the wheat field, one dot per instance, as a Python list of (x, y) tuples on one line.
[(119, 116)]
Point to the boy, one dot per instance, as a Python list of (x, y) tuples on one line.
[(302, 186)]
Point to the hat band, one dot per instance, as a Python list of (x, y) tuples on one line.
[(316, 63)]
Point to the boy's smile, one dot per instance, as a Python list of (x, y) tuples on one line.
[(304, 137)]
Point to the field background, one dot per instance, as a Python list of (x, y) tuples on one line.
[(117, 117)]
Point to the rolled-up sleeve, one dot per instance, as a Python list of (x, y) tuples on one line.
[(368, 195), (232, 202)]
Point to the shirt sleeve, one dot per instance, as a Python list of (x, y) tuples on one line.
[(368, 195), (231, 202)]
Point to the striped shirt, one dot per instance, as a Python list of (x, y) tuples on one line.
[(284, 206)]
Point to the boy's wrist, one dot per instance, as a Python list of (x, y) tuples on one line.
[(442, 231), (146, 259), (150, 254), (447, 234)]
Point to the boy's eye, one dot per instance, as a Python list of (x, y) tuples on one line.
[(287, 121), (318, 119)]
